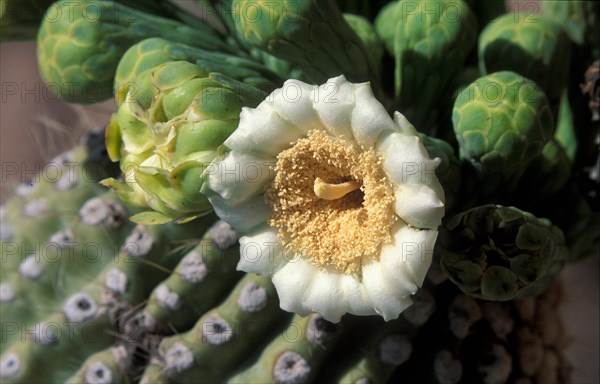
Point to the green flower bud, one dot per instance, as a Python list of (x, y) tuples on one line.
[(166, 132), (501, 253), (309, 33), (80, 44), (431, 40), (530, 45), (501, 121), (152, 52)]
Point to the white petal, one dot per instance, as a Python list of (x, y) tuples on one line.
[(325, 295), (417, 249), (405, 159), (291, 281), (240, 176), (294, 103), (243, 216), (406, 262), (369, 117), (356, 296), (396, 269), (262, 130), (334, 102), (419, 205), (387, 304), (396, 272), (405, 127), (260, 252)]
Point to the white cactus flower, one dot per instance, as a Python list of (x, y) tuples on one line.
[(338, 203)]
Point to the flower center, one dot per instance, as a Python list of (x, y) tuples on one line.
[(332, 203)]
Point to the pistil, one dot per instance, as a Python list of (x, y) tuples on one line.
[(329, 191)]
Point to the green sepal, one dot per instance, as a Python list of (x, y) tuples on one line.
[(113, 139), (125, 192), (205, 135), (156, 183), (150, 218), (187, 177)]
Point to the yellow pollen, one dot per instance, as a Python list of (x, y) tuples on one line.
[(329, 191), (332, 203)]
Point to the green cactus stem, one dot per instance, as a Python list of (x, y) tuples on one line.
[(310, 34), (430, 42)]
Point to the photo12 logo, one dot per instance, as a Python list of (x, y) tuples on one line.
[(51, 332), (62, 172), (494, 92), (438, 12)]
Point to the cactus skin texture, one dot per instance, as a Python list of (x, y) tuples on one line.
[(74, 264), (222, 337), (502, 253), (144, 284)]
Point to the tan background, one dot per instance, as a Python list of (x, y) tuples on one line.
[(34, 125)]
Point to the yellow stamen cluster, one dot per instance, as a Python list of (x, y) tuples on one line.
[(332, 203)]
